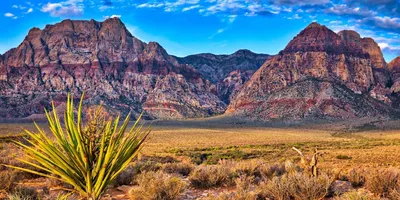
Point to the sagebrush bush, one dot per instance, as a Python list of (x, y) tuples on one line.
[(182, 168), (23, 193), (382, 182), (356, 177), (302, 186), (146, 165), (296, 186), (157, 186), (259, 169), (244, 190), (356, 196), (207, 176), (276, 188), (127, 176), (8, 179)]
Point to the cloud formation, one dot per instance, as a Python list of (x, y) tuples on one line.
[(64, 8)]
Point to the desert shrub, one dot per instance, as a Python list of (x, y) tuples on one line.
[(336, 174), (207, 176), (87, 156), (182, 168), (244, 190), (126, 177), (382, 182), (157, 185), (356, 196), (273, 170), (146, 165), (239, 195), (8, 179), (302, 186), (248, 168), (356, 177), (23, 193), (276, 188), (259, 169)]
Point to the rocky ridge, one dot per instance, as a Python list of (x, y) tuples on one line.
[(320, 74), (227, 72), (109, 64)]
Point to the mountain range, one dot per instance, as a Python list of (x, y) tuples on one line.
[(320, 74)]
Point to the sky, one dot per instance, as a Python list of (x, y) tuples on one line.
[(185, 27)]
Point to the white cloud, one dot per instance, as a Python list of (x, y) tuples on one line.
[(19, 7), (29, 11), (150, 5), (190, 8), (64, 9), (9, 15), (112, 16), (219, 31), (231, 18), (383, 45), (115, 16)]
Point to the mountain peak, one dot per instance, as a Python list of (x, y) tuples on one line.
[(115, 20), (319, 38), (242, 52), (350, 36), (314, 25)]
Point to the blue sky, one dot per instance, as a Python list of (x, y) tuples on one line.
[(186, 27)]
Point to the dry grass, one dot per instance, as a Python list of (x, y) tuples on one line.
[(254, 160), (182, 168), (23, 193), (382, 182), (157, 186), (208, 176), (356, 177), (356, 196)]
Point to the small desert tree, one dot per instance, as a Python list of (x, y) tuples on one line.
[(87, 156)]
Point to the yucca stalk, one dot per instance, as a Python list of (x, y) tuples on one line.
[(87, 156)]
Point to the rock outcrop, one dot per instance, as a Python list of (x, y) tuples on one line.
[(394, 67), (106, 62), (320, 74), (228, 72)]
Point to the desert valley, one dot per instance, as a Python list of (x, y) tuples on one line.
[(318, 120)]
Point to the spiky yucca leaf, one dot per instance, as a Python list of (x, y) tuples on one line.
[(87, 156)]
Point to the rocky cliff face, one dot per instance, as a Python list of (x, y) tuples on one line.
[(318, 74), (394, 67), (106, 62), (228, 72)]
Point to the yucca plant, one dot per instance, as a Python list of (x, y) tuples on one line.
[(88, 156)]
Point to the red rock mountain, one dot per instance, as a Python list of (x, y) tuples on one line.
[(320, 74), (106, 62), (394, 67)]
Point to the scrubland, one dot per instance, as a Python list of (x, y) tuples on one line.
[(211, 160)]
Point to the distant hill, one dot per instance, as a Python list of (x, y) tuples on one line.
[(228, 72)]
